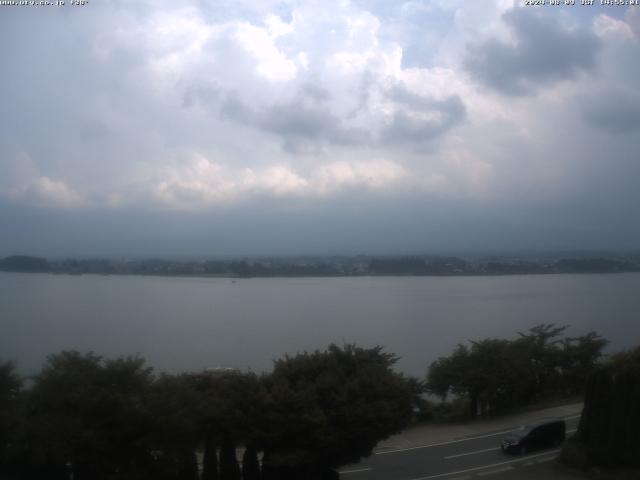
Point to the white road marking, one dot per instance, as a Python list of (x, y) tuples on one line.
[(443, 443), (494, 449), (483, 467), (418, 447), (488, 449), (493, 472), (368, 469)]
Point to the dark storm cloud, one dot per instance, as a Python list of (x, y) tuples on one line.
[(225, 102), (544, 52), (306, 123), (614, 111), (421, 119), (303, 126), (303, 123)]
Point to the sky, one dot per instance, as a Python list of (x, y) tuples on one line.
[(227, 128)]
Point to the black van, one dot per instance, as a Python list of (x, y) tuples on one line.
[(546, 433)]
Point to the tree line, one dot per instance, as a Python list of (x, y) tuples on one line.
[(323, 266), (493, 375), (87, 417)]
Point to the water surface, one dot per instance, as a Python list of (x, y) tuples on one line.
[(193, 323)]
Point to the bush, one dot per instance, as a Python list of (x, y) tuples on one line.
[(609, 430)]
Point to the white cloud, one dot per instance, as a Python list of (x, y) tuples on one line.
[(45, 192), (272, 64), (198, 182), (605, 25), (277, 27), (278, 180), (374, 174)]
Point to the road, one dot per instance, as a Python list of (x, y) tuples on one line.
[(478, 456)]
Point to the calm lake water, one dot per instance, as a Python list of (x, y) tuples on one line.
[(193, 323)]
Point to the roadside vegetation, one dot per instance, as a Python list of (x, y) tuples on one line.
[(89, 418), (493, 376), (609, 431)]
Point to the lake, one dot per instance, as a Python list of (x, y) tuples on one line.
[(194, 323)]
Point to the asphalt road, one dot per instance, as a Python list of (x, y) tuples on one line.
[(467, 458)]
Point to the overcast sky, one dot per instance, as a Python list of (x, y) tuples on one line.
[(215, 128)]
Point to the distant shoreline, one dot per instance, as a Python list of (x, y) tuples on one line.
[(230, 277), (325, 267)]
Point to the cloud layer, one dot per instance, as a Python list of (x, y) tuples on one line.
[(499, 114)]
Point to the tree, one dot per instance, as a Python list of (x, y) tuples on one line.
[(10, 385), (580, 357), (541, 347), (229, 468), (446, 375), (487, 374), (421, 407), (210, 459), (24, 263), (230, 405), (174, 435), (250, 464), (494, 374), (397, 266), (88, 415), (609, 429), (327, 409)]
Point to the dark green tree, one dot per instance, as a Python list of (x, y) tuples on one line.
[(209, 459), (541, 347), (188, 465), (494, 374), (229, 468), (446, 374), (421, 407), (250, 464), (609, 429), (580, 356), (88, 415), (10, 420), (488, 374), (174, 405), (327, 409), (231, 404)]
